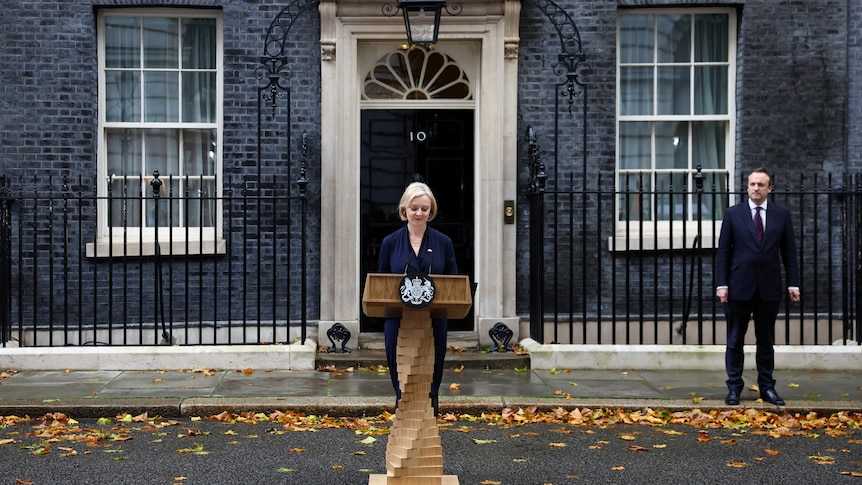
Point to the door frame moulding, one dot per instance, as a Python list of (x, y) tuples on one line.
[(350, 25)]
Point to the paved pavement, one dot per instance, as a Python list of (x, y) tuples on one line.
[(366, 390)]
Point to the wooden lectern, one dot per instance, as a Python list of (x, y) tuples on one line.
[(414, 454)]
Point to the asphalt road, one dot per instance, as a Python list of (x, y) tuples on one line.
[(206, 452)]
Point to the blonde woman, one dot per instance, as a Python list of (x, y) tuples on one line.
[(417, 248)]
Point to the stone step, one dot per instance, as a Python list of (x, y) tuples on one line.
[(455, 357)]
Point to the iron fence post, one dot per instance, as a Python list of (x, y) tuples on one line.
[(302, 182), (5, 262), (536, 194), (698, 184)]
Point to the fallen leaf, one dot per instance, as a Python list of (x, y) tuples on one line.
[(557, 445), (483, 442), (454, 386), (823, 459), (197, 449), (737, 464), (772, 452)]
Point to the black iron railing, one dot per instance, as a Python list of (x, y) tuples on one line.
[(640, 270), (239, 278)]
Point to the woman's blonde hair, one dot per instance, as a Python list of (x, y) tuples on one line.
[(412, 191)]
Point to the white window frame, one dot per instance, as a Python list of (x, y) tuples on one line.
[(669, 234), (140, 241)]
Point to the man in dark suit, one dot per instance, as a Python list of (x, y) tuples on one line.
[(756, 237)]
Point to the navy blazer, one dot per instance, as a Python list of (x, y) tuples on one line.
[(436, 255), (744, 266)]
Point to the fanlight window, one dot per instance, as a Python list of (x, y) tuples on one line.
[(418, 74)]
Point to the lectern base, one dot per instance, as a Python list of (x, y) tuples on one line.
[(387, 480)]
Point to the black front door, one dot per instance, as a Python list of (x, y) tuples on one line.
[(403, 146)]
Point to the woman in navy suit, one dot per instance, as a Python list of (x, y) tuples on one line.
[(756, 238), (417, 248)]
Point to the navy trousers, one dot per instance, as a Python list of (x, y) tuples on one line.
[(390, 334), (738, 313)]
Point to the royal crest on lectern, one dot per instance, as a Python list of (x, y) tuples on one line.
[(417, 291)]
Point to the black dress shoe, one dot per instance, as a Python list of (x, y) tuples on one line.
[(771, 396), (732, 398)]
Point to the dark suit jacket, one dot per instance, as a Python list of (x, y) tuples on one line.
[(437, 255), (744, 266)]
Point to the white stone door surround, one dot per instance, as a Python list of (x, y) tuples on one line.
[(483, 40)]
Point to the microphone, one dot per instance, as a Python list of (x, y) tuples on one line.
[(432, 260)]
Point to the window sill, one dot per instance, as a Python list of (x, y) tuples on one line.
[(136, 249)]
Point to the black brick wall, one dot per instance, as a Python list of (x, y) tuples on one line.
[(793, 110), (49, 100)]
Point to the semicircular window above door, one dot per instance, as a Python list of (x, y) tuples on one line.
[(416, 74)]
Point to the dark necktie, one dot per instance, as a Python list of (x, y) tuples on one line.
[(758, 225)]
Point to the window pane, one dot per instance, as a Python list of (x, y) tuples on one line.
[(122, 96), (671, 145), (637, 38), (162, 152), (169, 198), (674, 90), (710, 38), (710, 93), (199, 155), (161, 96), (634, 199), (636, 90), (161, 43), (201, 203), (124, 152), (714, 203), (199, 97), (634, 146), (670, 196), (124, 202), (708, 144), (122, 42), (199, 44), (674, 38)]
